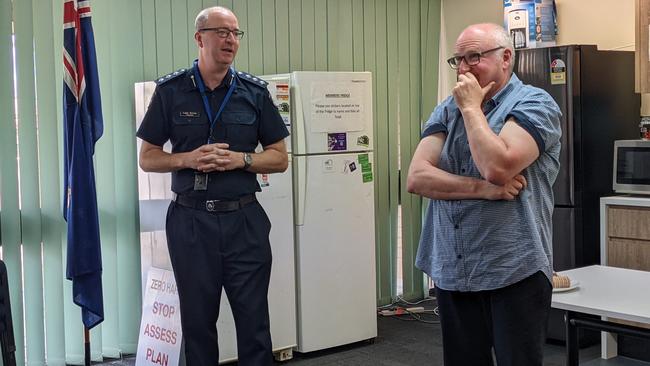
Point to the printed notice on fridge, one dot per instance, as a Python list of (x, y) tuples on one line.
[(337, 106)]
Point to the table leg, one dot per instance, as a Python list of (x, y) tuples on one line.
[(572, 347)]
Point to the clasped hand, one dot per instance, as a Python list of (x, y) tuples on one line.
[(216, 157), (468, 92)]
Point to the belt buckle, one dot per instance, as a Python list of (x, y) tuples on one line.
[(210, 205)]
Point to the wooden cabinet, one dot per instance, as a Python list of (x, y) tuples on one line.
[(628, 237), (642, 58), (624, 243)]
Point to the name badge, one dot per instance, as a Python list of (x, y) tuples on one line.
[(200, 181), (190, 114)]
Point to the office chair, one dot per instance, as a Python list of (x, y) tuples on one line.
[(7, 342)]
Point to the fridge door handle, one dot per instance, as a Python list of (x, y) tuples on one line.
[(300, 188), (299, 137)]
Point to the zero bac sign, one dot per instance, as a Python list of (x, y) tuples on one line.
[(160, 329)]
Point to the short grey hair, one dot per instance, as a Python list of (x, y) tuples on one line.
[(503, 39), (202, 18)]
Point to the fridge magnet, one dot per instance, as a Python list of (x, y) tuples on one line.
[(263, 179), (282, 88), (363, 141), (363, 159), (337, 141), (352, 166), (367, 167), (328, 166), (367, 177), (558, 72)]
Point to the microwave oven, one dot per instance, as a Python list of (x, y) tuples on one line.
[(632, 166)]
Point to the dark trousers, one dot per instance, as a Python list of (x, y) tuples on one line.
[(214, 250), (511, 320)]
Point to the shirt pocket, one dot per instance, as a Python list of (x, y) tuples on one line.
[(241, 130), (189, 131)]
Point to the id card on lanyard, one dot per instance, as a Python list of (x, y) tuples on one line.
[(201, 179)]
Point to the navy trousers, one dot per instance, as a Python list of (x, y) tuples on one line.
[(214, 250), (511, 320)]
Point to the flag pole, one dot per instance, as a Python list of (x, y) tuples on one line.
[(86, 346), (83, 126)]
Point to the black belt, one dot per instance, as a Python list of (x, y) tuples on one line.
[(214, 205)]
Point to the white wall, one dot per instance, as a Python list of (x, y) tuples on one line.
[(605, 23)]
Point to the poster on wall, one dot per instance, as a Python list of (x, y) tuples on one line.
[(531, 23)]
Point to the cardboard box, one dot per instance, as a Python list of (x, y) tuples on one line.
[(531, 23)]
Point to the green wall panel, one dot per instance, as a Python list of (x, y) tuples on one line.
[(51, 219), (308, 36), (397, 41), (10, 220), (29, 185)]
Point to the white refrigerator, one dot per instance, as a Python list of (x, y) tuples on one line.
[(333, 186), (276, 198)]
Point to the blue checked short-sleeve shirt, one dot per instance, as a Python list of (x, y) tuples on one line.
[(476, 245)]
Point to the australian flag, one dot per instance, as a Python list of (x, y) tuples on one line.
[(83, 126)]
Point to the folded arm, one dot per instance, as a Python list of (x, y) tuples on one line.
[(426, 179), (500, 157)]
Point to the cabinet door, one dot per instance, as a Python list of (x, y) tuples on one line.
[(628, 253), (628, 222)]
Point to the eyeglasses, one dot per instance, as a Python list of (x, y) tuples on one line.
[(225, 32), (471, 59)]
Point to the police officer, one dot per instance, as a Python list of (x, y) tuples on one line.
[(217, 232)]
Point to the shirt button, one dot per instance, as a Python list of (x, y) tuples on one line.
[(462, 170), (459, 256), (456, 226)]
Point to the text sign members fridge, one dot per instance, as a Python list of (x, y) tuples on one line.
[(331, 105), (334, 208), (337, 106)]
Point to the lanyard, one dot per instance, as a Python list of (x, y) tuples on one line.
[(206, 103)]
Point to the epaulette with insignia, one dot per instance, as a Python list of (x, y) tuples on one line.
[(251, 79), (170, 76)]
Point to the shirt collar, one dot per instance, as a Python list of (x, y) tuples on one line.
[(192, 84), (503, 93)]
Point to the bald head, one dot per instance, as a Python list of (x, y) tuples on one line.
[(202, 19), (493, 34)]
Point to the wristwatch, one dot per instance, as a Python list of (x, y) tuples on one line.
[(248, 160)]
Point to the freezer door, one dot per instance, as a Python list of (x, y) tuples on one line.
[(541, 68), (331, 112), (565, 238), (335, 246)]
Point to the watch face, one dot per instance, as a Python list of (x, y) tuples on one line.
[(248, 159)]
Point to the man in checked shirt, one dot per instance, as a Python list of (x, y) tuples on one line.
[(488, 158)]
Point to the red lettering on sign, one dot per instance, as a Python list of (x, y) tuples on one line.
[(157, 357), (161, 334), (166, 310)]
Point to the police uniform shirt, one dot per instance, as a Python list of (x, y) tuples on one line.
[(177, 113)]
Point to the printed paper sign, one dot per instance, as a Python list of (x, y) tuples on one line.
[(160, 329), (337, 106)]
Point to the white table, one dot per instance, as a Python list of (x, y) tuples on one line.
[(607, 292)]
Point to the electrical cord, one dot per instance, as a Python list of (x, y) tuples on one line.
[(419, 317), (403, 314)]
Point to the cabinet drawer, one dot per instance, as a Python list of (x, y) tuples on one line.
[(628, 222), (626, 253)]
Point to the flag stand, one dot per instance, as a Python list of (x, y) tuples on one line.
[(86, 346)]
